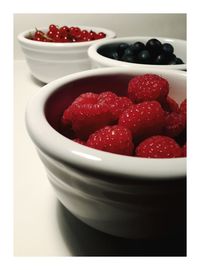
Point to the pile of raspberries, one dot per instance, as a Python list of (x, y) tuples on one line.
[(146, 123)]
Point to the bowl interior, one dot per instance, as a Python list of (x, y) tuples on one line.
[(118, 83)]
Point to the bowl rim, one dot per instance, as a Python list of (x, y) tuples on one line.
[(94, 55), (39, 44), (66, 151)]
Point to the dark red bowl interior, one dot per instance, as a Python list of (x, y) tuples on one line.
[(66, 94)]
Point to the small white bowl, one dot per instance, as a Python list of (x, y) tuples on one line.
[(98, 60), (49, 60), (125, 196)]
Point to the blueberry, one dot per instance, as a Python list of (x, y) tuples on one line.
[(108, 51), (172, 60), (129, 58), (167, 48), (154, 46), (121, 48), (144, 57), (179, 61), (160, 59), (128, 51), (113, 55), (137, 47)]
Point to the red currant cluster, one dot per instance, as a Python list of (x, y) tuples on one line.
[(66, 34)]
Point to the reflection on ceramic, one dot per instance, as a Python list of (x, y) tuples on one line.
[(98, 60), (120, 195), (48, 61)]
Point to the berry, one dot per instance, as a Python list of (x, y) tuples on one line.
[(87, 118), (158, 147), (144, 119), (86, 98), (179, 61), (144, 57), (116, 104), (170, 105), (100, 35), (129, 58), (183, 110), (121, 48), (174, 124), (167, 48), (53, 28), (160, 59), (107, 97), (66, 34), (154, 46), (64, 30), (137, 47), (115, 139), (147, 87)]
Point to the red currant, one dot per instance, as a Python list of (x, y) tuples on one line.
[(91, 35), (101, 35), (66, 34), (38, 34), (53, 28), (65, 39), (50, 34), (64, 30)]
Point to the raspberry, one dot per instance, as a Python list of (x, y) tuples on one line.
[(170, 105), (147, 87), (115, 139), (158, 147), (86, 98), (106, 96), (144, 119), (174, 124), (184, 150), (183, 110), (87, 118), (117, 104)]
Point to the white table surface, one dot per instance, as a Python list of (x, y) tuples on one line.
[(42, 226)]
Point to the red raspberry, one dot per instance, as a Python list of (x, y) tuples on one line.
[(174, 124), (87, 118), (147, 87), (170, 105), (183, 110), (158, 147), (117, 104), (115, 139), (106, 96), (184, 150), (144, 119), (86, 98)]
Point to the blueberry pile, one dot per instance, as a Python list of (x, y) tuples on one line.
[(153, 52)]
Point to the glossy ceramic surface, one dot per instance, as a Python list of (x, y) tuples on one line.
[(124, 196), (48, 61)]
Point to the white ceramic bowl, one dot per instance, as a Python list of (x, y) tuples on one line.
[(48, 61), (120, 195), (97, 60)]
